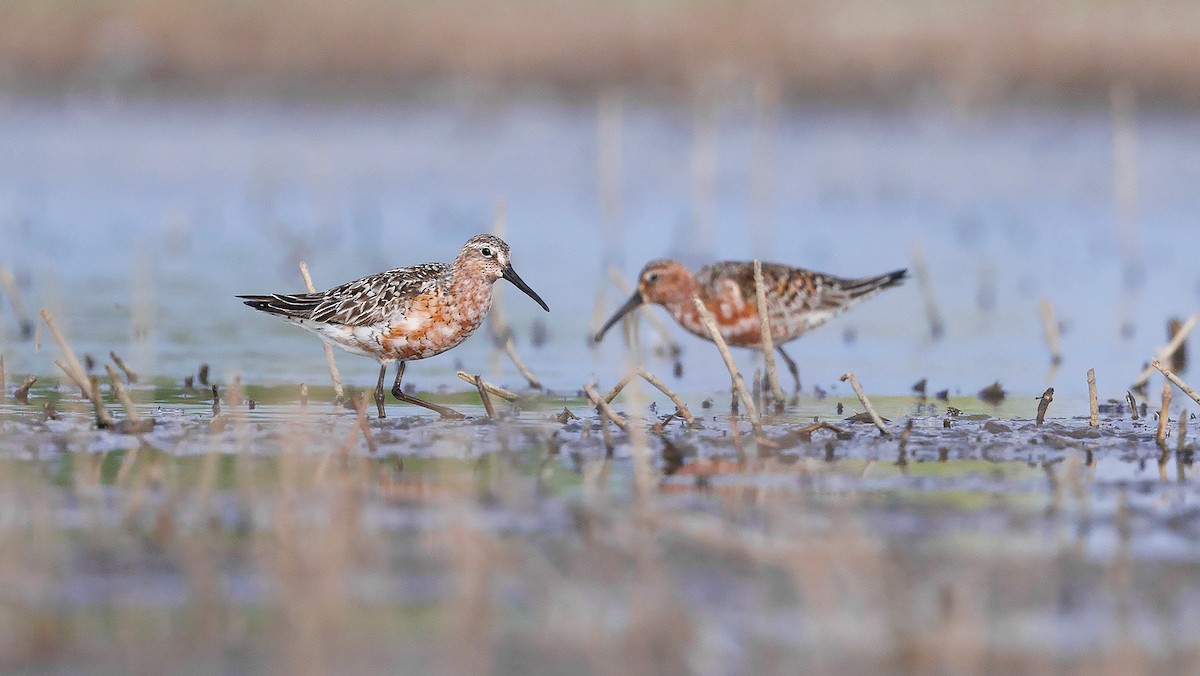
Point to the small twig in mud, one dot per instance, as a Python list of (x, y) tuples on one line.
[(1052, 337), (130, 376), (1093, 403), (1133, 409), (14, 298), (516, 360), (22, 393), (338, 394), (1175, 379), (202, 376), (866, 403), (1182, 435), (104, 419), (806, 432), (1044, 404), (902, 456), (1167, 351), (925, 284), (738, 382), (680, 407), (1178, 360), (303, 394), (612, 394), (491, 389), (485, 397), (768, 344), (603, 407), (1161, 436), (216, 405)]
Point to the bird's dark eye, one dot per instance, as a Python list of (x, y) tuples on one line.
[(652, 277), (486, 251)]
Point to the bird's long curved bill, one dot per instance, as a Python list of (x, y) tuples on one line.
[(634, 301), (511, 275)]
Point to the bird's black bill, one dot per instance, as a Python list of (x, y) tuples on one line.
[(511, 275), (634, 301)]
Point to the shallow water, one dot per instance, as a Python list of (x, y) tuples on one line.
[(137, 221)]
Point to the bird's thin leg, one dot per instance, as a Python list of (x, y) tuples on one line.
[(408, 399), (791, 366), (379, 396)]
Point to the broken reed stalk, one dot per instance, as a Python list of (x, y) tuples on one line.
[(925, 285), (130, 376), (612, 394), (504, 394), (1175, 379), (338, 393), (1161, 436), (603, 407), (768, 345), (1132, 404), (9, 282), (1165, 353), (739, 383), (1044, 404), (485, 397), (662, 387), (76, 373), (1093, 403), (866, 403), (122, 394), (104, 419), (22, 392), (1052, 336), (516, 360)]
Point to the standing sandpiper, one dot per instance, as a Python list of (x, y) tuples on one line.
[(797, 300), (404, 314)]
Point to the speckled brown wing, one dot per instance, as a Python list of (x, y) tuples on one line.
[(796, 296), (362, 302)]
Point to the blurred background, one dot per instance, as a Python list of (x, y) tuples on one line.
[(158, 157)]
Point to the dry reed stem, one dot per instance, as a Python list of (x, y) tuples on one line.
[(1052, 335), (14, 298), (1175, 379), (122, 394), (130, 376), (612, 394), (485, 397), (645, 477), (1168, 350), (104, 419), (739, 383), (1161, 436), (1182, 435), (1132, 404), (1093, 402), (491, 389), (516, 360), (78, 374), (675, 399), (338, 393), (866, 403), (605, 411), (627, 289), (925, 285), (768, 344)]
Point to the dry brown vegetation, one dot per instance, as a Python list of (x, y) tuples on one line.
[(984, 50)]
